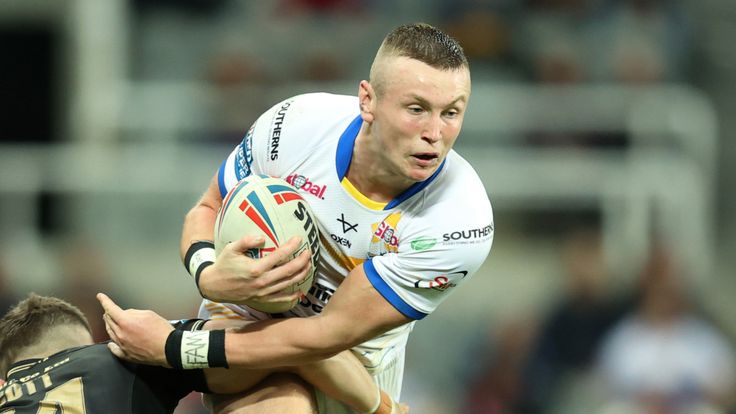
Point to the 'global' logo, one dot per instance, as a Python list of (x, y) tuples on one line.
[(303, 183)]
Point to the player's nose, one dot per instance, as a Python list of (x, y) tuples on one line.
[(433, 129)]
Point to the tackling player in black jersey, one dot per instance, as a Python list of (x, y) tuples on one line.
[(89, 379), (53, 366)]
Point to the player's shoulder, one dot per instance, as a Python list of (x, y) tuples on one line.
[(96, 355), (295, 125), (69, 362), (323, 98), (455, 206), (459, 186), (314, 107)]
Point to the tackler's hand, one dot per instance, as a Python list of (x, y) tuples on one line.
[(137, 335)]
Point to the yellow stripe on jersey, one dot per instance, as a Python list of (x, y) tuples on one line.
[(348, 262), (373, 205), (217, 317), (218, 310)]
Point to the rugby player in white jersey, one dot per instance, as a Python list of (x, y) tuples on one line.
[(403, 219)]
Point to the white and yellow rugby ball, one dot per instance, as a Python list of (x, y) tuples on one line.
[(260, 205)]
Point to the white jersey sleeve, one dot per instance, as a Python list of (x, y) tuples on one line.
[(441, 243), (260, 143), (281, 138)]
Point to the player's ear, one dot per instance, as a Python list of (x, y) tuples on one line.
[(366, 100)]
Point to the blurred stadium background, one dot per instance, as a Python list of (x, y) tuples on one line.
[(603, 131)]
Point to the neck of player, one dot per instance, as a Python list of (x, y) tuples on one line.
[(372, 173), (54, 341)]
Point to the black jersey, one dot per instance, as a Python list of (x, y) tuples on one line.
[(91, 380)]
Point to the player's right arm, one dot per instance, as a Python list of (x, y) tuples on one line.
[(199, 223), (235, 277)]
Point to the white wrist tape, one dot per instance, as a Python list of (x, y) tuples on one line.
[(199, 255), (203, 255), (194, 349)]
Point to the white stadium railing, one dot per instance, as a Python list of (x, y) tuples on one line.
[(663, 181)]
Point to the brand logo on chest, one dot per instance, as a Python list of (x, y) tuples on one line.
[(303, 183), (384, 239), (342, 241), (346, 226)]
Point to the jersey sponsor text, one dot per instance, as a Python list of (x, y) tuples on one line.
[(303, 183), (481, 233), (276, 131)]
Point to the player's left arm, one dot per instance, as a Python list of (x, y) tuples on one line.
[(356, 313), (383, 293), (342, 376)]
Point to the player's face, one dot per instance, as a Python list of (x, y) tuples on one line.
[(418, 116)]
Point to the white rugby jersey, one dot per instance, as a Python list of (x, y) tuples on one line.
[(415, 249)]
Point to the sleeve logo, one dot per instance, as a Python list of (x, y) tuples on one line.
[(441, 282), (244, 156)]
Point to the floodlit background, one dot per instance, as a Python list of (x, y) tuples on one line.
[(602, 129)]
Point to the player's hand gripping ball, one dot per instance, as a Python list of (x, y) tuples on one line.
[(260, 205)]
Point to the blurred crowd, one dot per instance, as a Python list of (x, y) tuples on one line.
[(545, 42), (649, 346)]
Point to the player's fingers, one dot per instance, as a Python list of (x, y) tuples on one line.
[(116, 350), (287, 274), (279, 287), (301, 274), (108, 327), (109, 306), (246, 243), (283, 296), (282, 253), (113, 329)]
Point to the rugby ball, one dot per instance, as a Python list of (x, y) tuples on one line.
[(261, 205)]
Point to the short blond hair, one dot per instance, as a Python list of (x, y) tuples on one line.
[(422, 42), (26, 323)]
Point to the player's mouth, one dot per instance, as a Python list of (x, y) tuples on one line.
[(425, 159)]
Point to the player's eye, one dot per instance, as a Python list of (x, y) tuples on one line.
[(452, 113), (416, 109)]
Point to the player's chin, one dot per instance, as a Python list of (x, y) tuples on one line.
[(418, 174)]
